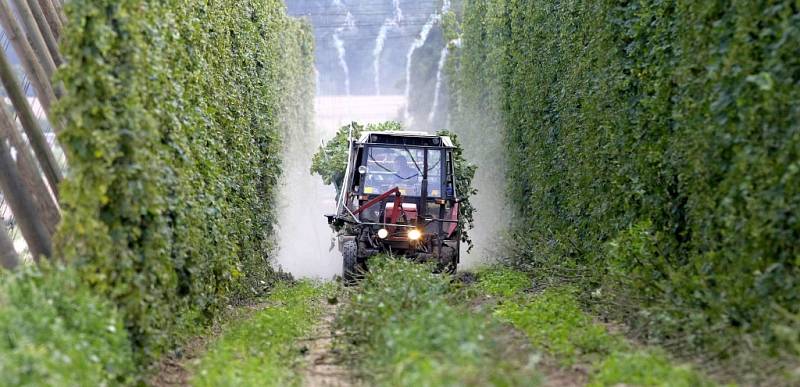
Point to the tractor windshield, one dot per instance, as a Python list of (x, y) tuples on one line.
[(402, 167)]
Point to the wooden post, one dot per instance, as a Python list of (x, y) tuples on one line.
[(9, 258), (29, 171), (51, 14), (35, 38), (25, 214), (60, 11), (44, 28), (29, 123), (32, 67)]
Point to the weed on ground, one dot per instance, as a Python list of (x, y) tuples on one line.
[(263, 350), (554, 321), (406, 326)]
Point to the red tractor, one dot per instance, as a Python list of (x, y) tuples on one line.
[(399, 196)]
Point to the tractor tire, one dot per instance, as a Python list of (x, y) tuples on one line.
[(351, 270), (448, 261), (451, 268)]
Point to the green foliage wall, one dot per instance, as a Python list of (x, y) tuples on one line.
[(174, 115), (653, 150)]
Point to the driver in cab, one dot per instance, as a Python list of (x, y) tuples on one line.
[(395, 172), (403, 170)]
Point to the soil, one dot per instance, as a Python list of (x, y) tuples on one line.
[(175, 369), (324, 365), (466, 277), (518, 348)]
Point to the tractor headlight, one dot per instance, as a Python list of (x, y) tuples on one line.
[(383, 233), (414, 234)]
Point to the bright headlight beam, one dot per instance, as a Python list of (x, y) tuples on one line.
[(383, 233), (414, 234)]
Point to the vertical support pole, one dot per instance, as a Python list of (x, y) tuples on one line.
[(60, 11), (29, 171), (51, 14), (28, 58), (9, 259), (35, 37), (29, 123), (27, 218), (44, 28)]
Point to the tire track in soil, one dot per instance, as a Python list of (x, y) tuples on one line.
[(325, 366), (518, 348), (175, 369)]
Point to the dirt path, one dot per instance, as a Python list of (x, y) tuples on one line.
[(174, 370), (321, 366), (325, 365), (517, 348)]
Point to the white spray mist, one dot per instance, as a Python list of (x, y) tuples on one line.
[(380, 42), (348, 25), (418, 43)]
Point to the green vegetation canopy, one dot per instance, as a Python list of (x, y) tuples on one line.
[(653, 154)]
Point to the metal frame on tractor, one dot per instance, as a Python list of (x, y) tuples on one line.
[(423, 227)]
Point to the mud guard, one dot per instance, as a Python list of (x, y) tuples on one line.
[(342, 239)]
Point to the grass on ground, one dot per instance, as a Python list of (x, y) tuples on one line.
[(407, 327), (261, 350), (555, 322)]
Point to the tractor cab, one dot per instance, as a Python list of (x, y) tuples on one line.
[(399, 195)]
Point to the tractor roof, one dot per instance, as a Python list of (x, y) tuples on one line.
[(405, 138)]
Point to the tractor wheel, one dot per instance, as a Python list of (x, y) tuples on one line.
[(451, 268), (350, 267), (449, 260)]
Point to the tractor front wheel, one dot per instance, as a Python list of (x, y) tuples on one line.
[(449, 260), (351, 270)]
